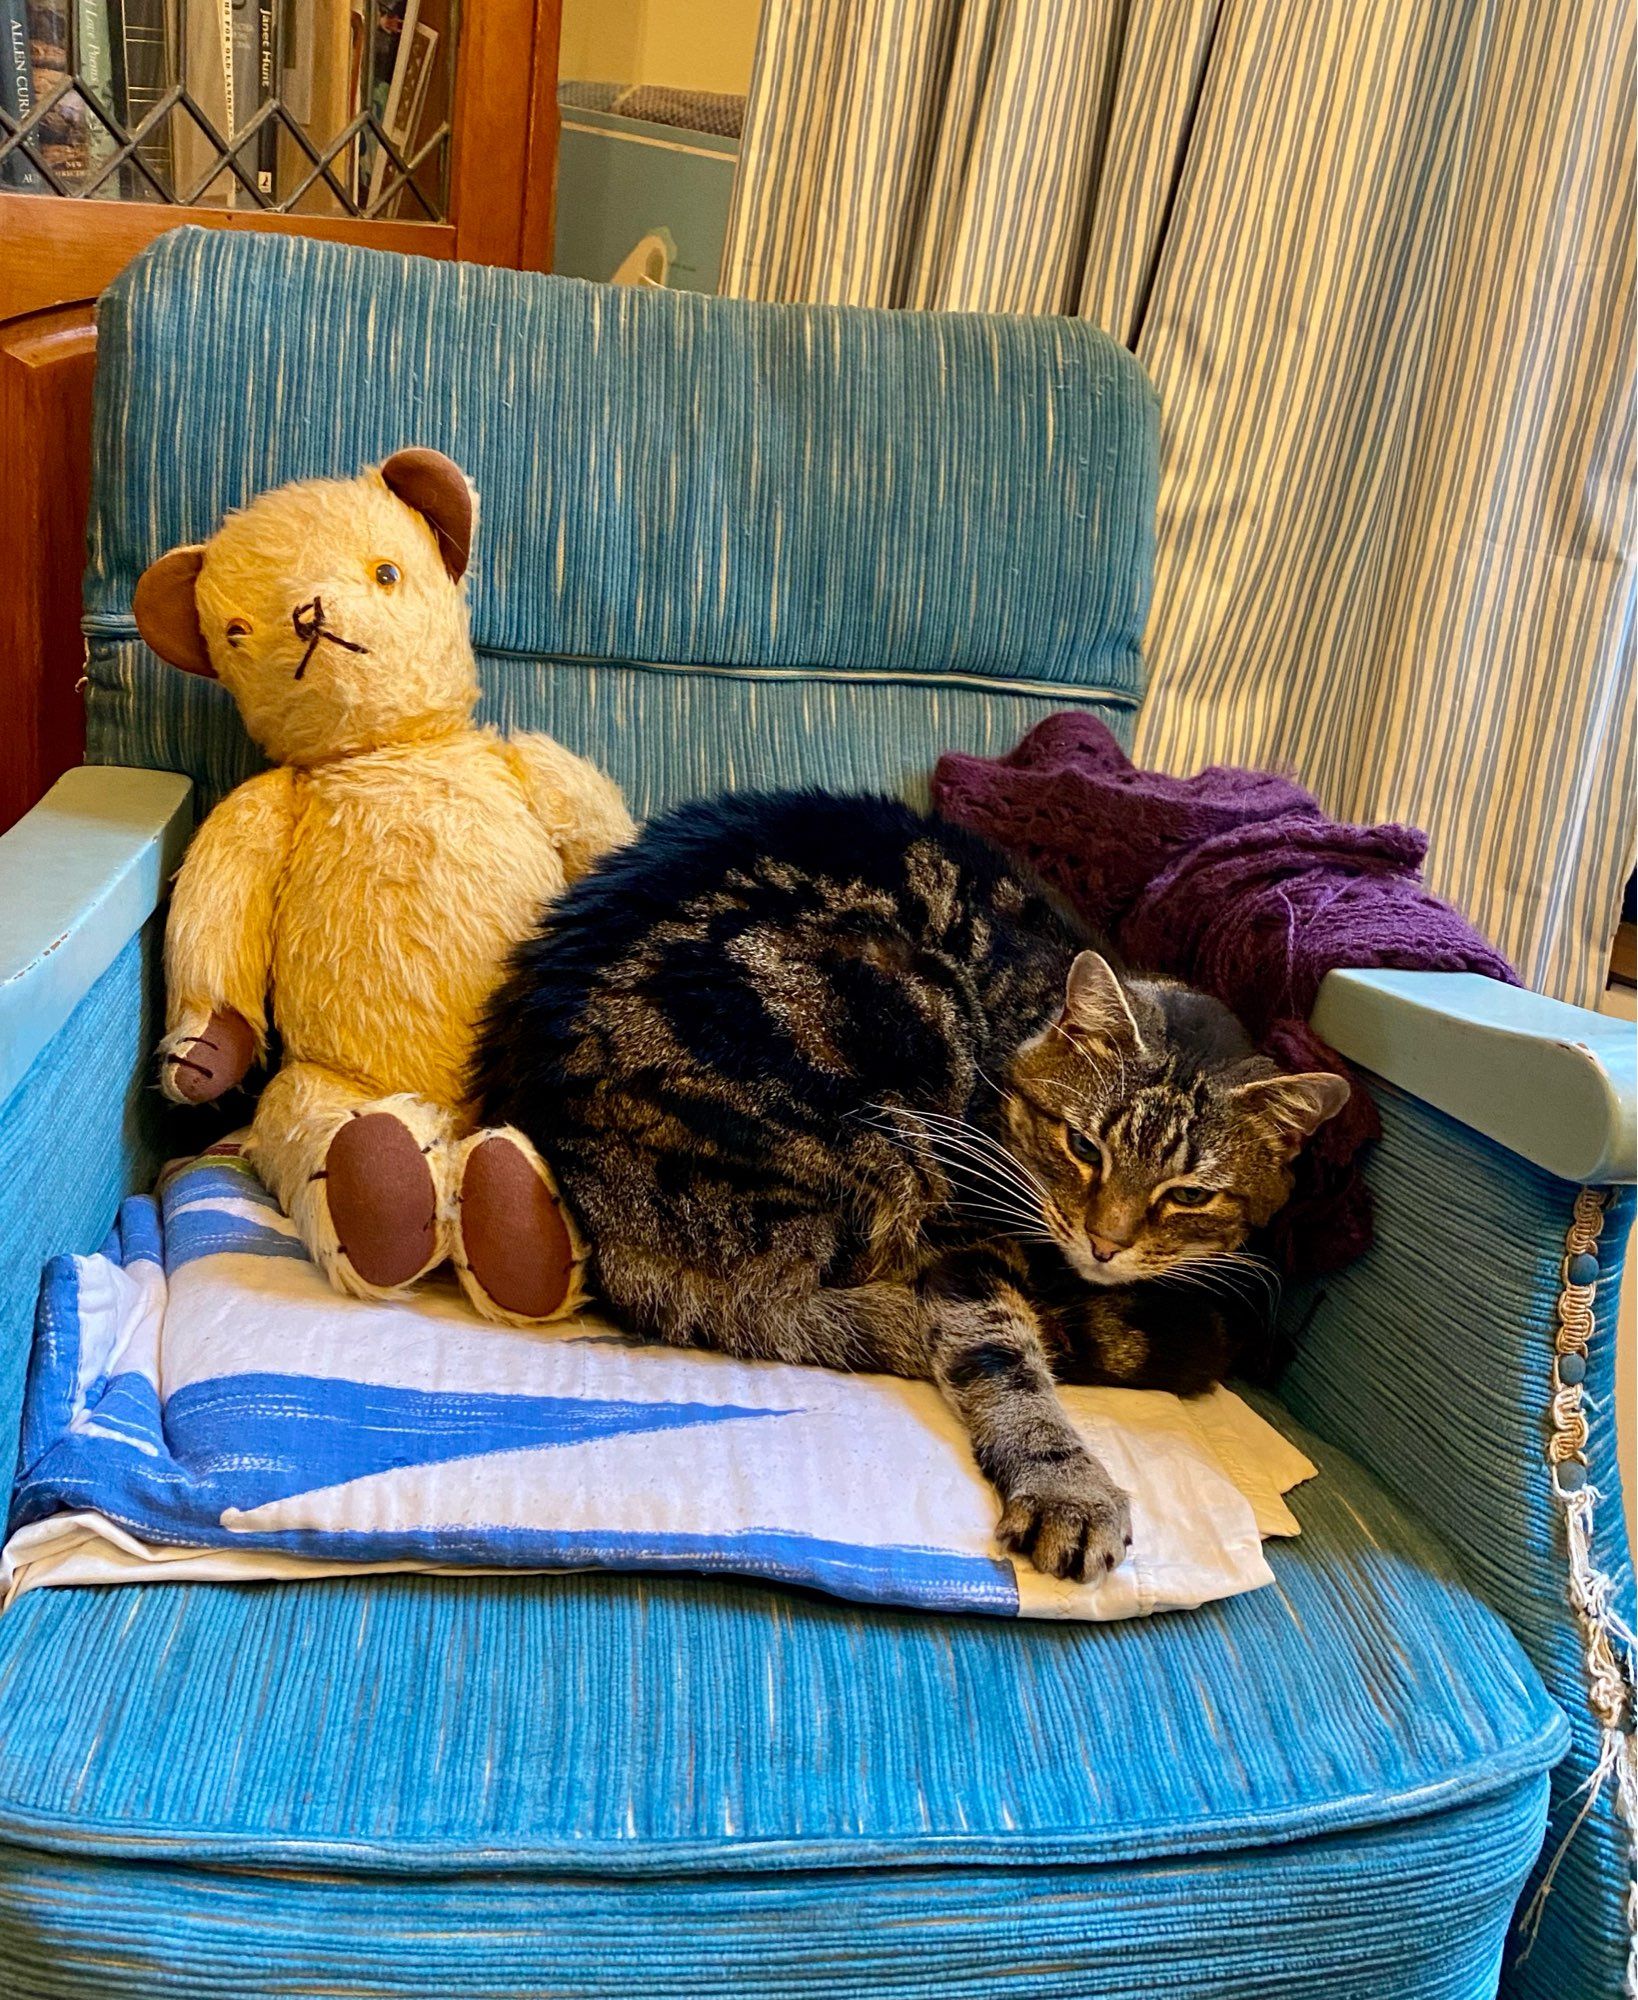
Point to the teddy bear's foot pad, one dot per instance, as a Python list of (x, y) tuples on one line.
[(383, 1200), (517, 1246)]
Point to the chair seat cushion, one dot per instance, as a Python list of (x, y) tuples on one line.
[(633, 1724)]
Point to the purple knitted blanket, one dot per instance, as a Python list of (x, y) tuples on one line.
[(1237, 882)]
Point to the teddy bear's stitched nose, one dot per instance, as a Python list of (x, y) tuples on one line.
[(308, 620)]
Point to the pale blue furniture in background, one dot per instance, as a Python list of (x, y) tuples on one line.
[(621, 178), (728, 544)]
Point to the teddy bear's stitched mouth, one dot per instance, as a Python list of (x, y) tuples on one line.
[(308, 620)]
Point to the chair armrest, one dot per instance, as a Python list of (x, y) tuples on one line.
[(81, 880), (1552, 1083), (79, 876), (1469, 1360)]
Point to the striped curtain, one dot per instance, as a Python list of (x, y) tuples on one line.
[(1377, 256)]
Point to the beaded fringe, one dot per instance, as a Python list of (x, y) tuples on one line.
[(1608, 1645)]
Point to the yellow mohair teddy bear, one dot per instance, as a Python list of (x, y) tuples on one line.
[(372, 883)]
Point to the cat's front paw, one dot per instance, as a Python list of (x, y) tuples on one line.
[(1070, 1521)]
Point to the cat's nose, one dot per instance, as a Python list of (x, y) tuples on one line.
[(1103, 1247)]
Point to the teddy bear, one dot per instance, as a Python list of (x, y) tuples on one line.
[(362, 896)]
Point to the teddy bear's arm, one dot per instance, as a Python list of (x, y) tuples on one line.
[(578, 806), (219, 939)]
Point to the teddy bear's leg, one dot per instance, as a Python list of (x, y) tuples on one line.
[(516, 1248), (366, 1180)]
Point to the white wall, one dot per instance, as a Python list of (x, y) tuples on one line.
[(688, 44)]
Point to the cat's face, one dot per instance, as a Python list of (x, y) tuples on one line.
[(1155, 1135)]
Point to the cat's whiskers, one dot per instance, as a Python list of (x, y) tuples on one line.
[(956, 1156), (1255, 1283), (967, 1162), (1021, 1230), (991, 1146), (1010, 1192), (977, 1168)]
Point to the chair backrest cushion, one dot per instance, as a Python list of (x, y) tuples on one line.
[(719, 543)]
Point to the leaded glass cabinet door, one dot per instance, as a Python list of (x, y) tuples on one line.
[(427, 126), (304, 107)]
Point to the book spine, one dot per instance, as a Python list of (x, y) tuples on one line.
[(227, 17), (17, 93), (395, 39), (96, 76), (412, 100), (251, 62), (62, 135), (145, 48), (267, 58), (116, 62)]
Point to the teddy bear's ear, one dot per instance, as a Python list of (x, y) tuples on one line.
[(166, 613), (436, 487)]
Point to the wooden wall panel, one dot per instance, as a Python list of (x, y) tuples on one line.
[(46, 364), (56, 252), (504, 168)]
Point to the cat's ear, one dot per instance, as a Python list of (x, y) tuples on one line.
[(1293, 1107), (1095, 1004)]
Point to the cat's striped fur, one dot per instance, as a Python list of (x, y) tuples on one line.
[(827, 1082)]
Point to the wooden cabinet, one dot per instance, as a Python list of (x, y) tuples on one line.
[(492, 201)]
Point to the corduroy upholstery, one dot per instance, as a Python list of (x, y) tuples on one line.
[(73, 1928), (80, 1132), (1442, 1386), (717, 544), (795, 545), (603, 1784), (654, 1724)]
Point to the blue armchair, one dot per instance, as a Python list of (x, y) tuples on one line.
[(730, 544)]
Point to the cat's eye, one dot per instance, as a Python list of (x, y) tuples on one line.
[(386, 574), (1189, 1196), (236, 629), (1086, 1150)]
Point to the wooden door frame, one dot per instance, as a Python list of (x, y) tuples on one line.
[(58, 254), (503, 173)]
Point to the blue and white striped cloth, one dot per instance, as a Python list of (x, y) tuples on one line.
[(201, 1405)]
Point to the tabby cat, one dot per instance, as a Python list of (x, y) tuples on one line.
[(827, 1081)]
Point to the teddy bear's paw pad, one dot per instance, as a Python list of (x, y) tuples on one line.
[(517, 1250), (201, 1067), (383, 1201)]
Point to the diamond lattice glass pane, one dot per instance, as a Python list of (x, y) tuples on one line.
[(322, 107)]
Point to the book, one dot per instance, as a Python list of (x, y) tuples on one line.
[(17, 98), (267, 78), (142, 66), (315, 69), (379, 39), (406, 95), (250, 30), (61, 142), (196, 31), (96, 79), (417, 92), (74, 142), (435, 108)]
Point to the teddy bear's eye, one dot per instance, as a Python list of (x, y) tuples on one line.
[(237, 629), (386, 574)]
